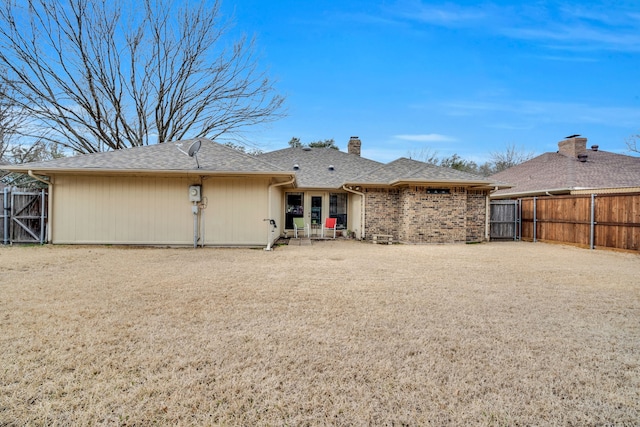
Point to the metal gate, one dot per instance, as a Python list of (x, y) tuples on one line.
[(504, 220), (24, 216)]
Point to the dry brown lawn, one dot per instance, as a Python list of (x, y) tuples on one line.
[(338, 333)]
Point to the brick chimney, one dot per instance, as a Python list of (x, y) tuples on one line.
[(353, 147), (573, 146)]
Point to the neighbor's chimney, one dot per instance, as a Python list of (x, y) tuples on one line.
[(354, 145), (573, 146)]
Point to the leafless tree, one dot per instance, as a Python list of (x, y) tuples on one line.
[(426, 155), (632, 143), (511, 156), (11, 119), (103, 75)]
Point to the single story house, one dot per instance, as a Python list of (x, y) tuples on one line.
[(573, 169), (201, 192)]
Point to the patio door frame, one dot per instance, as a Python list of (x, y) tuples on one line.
[(310, 210)]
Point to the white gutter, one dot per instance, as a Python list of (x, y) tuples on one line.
[(50, 204), (37, 178), (532, 193), (280, 184), (362, 216)]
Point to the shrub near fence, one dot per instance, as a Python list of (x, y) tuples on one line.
[(595, 220)]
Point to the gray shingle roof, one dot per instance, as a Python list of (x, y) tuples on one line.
[(212, 157), (313, 169), (403, 170), (314, 163), (321, 168), (555, 171)]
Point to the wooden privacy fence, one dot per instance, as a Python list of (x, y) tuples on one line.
[(504, 220), (592, 220), (23, 216)]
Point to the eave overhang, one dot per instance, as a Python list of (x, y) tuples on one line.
[(148, 172), (532, 193), (479, 184)]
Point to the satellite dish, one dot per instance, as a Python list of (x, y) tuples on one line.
[(192, 151), (194, 148)]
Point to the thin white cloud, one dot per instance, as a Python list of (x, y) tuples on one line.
[(549, 111), (579, 38), (448, 15), (576, 28), (429, 137)]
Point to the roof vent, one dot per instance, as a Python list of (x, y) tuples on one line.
[(331, 167), (582, 157), (594, 148), (306, 148), (296, 167)]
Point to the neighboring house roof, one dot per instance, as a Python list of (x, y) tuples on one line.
[(568, 170), (169, 157)]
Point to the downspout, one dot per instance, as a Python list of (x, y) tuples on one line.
[(280, 184), (50, 204), (362, 216)]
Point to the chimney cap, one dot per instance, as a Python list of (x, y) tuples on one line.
[(572, 136)]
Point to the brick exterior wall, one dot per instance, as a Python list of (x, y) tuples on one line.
[(476, 215), (412, 215), (382, 212)]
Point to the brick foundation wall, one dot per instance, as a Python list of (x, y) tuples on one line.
[(412, 215)]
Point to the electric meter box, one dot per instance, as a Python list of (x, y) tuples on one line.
[(194, 193)]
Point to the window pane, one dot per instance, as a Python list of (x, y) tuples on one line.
[(294, 209), (338, 209)]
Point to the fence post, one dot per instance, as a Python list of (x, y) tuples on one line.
[(593, 221), (42, 216), (516, 221), (5, 216), (534, 219)]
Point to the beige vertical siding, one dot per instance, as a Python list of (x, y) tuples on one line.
[(121, 210), (156, 210), (354, 216), (235, 212), (277, 211)]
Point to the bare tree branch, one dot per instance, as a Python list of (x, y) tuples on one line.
[(97, 79), (512, 156), (632, 143)]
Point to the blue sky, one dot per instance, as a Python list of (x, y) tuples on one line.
[(449, 77)]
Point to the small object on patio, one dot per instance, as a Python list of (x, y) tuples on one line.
[(330, 224), (383, 238)]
